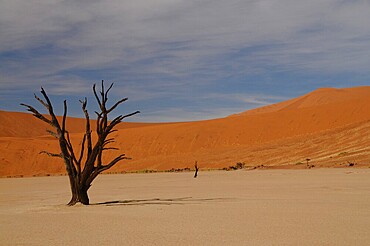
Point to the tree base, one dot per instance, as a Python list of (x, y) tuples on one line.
[(79, 197), (74, 202)]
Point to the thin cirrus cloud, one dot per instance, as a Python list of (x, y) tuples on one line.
[(183, 60)]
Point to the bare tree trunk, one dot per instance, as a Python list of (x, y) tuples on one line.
[(196, 169), (79, 193)]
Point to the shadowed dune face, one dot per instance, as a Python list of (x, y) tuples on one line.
[(328, 126)]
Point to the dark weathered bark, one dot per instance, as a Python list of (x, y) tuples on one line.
[(80, 174), (196, 169), (79, 193)]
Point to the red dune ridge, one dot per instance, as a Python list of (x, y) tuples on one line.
[(331, 127)]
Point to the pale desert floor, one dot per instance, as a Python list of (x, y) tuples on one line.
[(261, 207)]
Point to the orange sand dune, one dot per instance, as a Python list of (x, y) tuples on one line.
[(15, 124), (329, 126), (332, 148)]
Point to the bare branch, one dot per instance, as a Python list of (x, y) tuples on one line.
[(101, 101), (118, 120), (129, 115), (56, 135), (41, 101), (108, 141), (103, 122), (51, 111), (96, 96), (81, 156), (102, 168), (106, 93), (100, 161), (102, 93), (116, 104), (111, 148), (70, 147), (51, 154), (98, 119), (37, 114), (64, 117), (82, 149), (113, 130), (88, 130), (113, 162)]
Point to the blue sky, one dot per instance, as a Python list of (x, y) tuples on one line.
[(180, 60)]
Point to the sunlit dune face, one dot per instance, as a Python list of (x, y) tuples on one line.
[(331, 127)]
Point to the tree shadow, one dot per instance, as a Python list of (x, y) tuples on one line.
[(160, 201)]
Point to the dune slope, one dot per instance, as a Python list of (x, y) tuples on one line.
[(329, 126)]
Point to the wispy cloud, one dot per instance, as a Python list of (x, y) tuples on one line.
[(166, 49)]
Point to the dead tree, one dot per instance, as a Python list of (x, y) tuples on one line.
[(196, 169), (83, 167)]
